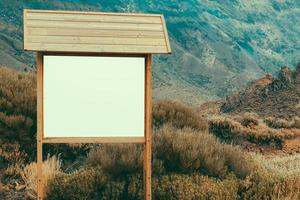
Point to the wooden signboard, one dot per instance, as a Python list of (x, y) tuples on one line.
[(94, 78)]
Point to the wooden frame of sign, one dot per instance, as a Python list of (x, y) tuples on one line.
[(95, 34)]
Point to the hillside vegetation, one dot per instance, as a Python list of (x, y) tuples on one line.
[(188, 161)]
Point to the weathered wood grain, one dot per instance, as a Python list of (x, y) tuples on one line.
[(74, 31)]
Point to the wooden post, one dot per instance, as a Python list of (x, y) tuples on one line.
[(148, 128), (147, 131), (39, 126)]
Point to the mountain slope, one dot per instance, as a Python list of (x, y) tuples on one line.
[(268, 96), (218, 46)]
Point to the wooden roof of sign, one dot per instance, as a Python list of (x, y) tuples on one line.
[(95, 32)]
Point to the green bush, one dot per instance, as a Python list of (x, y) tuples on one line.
[(135, 190), (113, 190), (178, 115), (85, 184)]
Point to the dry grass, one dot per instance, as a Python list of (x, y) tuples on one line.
[(265, 185), (51, 168), (278, 178), (286, 166)]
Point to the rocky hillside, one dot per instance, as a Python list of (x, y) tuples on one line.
[(218, 46), (269, 96)]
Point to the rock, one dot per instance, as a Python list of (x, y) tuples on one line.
[(285, 75), (298, 68)]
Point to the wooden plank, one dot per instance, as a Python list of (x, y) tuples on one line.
[(40, 126), (94, 25), (95, 48), (166, 34), (94, 54), (83, 17), (93, 33), (95, 40), (89, 13), (24, 28), (148, 128), (94, 140)]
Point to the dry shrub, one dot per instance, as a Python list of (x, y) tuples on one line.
[(270, 121), (174, 150), (195, 186), (84, 184), (287, 188), (178, 115), (230, 130), (250, 119), (286, 166), (134, 190), (117, 160), (238, 161), (263, 185), (13, 171), (12, 161), (282, 123), (18, 108), (91, 184), (277, 123), (296, 122), (114, 190), (51, 168), (186, 150), (10, 155), (277, 178)]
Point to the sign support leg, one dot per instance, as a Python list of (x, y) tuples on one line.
[(39, 126), (40, 170), (148, 129)]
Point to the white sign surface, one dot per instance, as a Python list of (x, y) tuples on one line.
[(86, 96)]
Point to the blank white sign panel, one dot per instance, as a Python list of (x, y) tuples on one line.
[(86, 96)]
